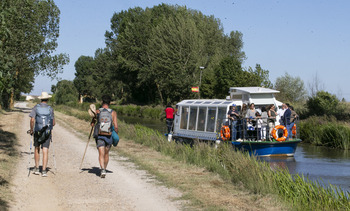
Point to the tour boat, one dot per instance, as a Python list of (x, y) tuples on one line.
[(206, 120)]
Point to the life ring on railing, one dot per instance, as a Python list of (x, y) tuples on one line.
[(294, 130), (225, 133), (275, 131)]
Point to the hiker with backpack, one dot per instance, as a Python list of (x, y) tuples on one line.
[(106, 123), (42, 120)]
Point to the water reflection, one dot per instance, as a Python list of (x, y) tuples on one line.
[(328, 166)]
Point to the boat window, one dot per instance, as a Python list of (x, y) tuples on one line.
[(228, 102), (222, 118), (211, 119), (207, 102), (201, 118), (184, 117), (198, 102), (217, 102), (193, 118)]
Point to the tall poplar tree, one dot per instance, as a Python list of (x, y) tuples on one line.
[(29, 30)]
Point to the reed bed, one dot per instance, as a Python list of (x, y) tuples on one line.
[(325, 131), (243, 170)]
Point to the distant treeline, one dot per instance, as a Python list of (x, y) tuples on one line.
[(155, 55)]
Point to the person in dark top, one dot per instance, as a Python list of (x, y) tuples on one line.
[(169, 112), (232, 115)]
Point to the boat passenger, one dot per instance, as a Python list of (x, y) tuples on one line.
[(242, 123), (264, 118), (259, 125), (272, 117), (251, 121), (286, 120), (293, 117), (232, 115), (280, 113), (169, 111)]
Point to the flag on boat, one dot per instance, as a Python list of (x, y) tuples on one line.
[(195, 89)]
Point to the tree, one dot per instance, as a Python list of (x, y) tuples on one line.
[(291, 89), (29, 30), (160, 49), (323, 103), (66, 92)]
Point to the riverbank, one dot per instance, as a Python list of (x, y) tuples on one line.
[(239, 169)]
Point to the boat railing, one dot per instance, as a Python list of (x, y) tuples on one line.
[(261, 129)]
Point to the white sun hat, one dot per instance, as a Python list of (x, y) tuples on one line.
[(44, 95)]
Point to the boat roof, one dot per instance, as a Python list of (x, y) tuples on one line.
[(251, 90), (208, 102)]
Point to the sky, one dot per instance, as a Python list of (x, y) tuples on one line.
[(306, 39)]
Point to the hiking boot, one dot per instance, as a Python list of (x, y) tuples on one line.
[(103, 173), (44, 173), (36, 171)]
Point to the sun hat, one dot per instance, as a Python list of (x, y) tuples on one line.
[(44, 95)]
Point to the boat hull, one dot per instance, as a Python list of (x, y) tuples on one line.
[(286, 148)]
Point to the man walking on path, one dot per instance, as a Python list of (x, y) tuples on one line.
[(106, 118), (169, 111), (42, 117)]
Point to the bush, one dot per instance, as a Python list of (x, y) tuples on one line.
[(325, 131)]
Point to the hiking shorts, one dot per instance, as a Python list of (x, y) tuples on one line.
[(46, 144), (102, 143)]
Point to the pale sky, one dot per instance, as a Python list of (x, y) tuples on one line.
[(303, 38)]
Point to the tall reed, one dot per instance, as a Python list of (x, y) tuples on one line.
[(325, 131)]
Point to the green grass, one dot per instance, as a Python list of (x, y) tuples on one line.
[(244, 170), (325, 131)]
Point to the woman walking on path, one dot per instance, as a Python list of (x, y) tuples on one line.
[(106, 118)]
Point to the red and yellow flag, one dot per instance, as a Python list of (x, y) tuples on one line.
[(195, 89)]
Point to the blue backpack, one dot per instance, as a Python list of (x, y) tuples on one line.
[(43, 123)]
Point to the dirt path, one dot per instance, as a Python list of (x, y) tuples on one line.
[(69, 188)]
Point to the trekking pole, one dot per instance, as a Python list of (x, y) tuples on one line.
[(30, 151), (53, 152), (87, 144)]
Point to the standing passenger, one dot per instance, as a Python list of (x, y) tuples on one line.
[(242, 125), (272, 117), (264, 118), (232, 115), (169, 111)]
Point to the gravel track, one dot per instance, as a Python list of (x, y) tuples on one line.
[(69, 188)]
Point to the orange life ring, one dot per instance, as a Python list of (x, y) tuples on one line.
[(225, 133), (294, 130), (275, 131)]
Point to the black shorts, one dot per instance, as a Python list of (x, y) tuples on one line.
[(45, 144)]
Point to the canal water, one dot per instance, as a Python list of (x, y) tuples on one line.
[(328, 166)]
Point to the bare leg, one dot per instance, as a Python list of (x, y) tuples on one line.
[(37, 156), (45, 157), (106, 156), (101, 156)]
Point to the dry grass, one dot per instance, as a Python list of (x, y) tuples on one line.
[(205, 190), (8, 153)]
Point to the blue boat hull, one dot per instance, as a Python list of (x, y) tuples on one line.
[(286, 148)]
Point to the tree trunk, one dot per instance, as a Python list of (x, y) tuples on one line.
[(160, 94)]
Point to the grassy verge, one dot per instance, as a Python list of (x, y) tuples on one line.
[(8, 154), (152, 112), (241, 170)]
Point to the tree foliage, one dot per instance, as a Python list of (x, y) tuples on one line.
[(66, 92), (291, 89), (323, 103), (154, 55), (29, 30)]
